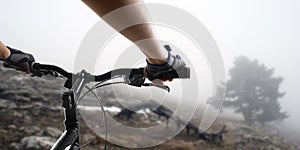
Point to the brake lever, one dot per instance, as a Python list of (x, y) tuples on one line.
[(137, 78), (53, 73), (36, 74), (40, 73), (164, 87)]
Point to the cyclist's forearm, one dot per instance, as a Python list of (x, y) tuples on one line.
[(131, 21), (103, 7), (123, 19), (4, 51)]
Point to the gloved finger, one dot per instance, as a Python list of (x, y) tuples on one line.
[(31, 59), (20, 71), (9, 65), (157, 82), (24, 67)]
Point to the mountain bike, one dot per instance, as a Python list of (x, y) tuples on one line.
[(69, 140)]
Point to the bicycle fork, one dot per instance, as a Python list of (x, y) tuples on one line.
[(70, 138)]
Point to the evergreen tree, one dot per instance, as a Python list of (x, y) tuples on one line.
[(253, 91)]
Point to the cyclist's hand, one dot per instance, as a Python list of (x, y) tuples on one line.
[(175, 67), (19, 60)]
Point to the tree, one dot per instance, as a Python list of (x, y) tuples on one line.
[(253, 91)]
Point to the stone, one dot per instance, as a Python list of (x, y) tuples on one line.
[(15, 113), (7, 104), (12, 126), (15, 146), (27, 119), (30, 130), (53, 132), (37, 142)]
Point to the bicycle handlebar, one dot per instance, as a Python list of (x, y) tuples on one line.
[(41, 69), (132, 76)]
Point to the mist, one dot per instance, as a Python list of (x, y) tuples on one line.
[(265, 30)]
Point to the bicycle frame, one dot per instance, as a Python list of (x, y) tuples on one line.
[(69, 140)]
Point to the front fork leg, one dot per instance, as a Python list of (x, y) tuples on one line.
[(70, 138)]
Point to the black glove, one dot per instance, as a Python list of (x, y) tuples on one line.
[(19, 60), (174, 68)]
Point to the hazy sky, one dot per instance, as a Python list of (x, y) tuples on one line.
[(267, 30)]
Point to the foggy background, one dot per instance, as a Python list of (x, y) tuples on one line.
[(265, 30)]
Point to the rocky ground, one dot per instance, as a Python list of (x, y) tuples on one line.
[(31, 118)]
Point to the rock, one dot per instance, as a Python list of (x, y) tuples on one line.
[(37, 142), (271, 147), (55, 109), (26, 107), (89, 138), (20, 98), (2, 131), (264, 139), (30, 130), (246, 139), (12, 126), (38, 98), (15, 146), (53, 132), (7, 104), (240, 147), (16, 114), (27, 119), (246, 128)]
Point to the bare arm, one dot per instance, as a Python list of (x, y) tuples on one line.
[(153, 50), (4, 51), (133, 33)]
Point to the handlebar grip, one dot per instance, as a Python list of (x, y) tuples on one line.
[(49, 69), (182, 73)]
